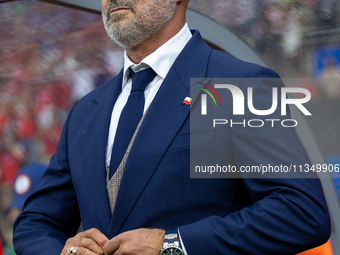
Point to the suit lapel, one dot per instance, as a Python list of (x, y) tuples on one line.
[(96, 128), (165, 117)]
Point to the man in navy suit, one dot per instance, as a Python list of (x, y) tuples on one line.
[(158, 203)]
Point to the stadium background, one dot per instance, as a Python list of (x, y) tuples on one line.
[(52, 54)]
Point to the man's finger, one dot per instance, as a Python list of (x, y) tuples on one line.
[(84, 251), (96, 236), (89, 242), (91, 245), (112, 245)]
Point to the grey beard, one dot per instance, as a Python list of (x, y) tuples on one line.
[(146, 22)]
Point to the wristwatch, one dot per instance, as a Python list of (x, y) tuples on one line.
[(171, 244)]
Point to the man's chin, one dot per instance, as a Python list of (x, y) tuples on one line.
[(119, 17)]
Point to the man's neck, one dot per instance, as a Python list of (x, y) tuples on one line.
[(139, 52)]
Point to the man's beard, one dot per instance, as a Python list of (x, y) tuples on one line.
[(145, 22)]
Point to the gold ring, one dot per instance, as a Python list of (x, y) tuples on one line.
[(72, 250)]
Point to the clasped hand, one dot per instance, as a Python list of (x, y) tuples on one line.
[(141, 241)]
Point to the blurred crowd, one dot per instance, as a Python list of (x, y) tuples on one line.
[(286, 33), (51, 56)]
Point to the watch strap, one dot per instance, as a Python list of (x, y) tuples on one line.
[(170, 238)]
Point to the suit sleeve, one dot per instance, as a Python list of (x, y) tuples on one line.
[(288, 215), (51, 214)]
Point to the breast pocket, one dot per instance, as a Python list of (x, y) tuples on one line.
[(193, 139)]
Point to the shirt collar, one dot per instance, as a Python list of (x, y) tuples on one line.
[(161, 59)]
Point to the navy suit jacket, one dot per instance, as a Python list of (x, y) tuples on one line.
[(214, 216)]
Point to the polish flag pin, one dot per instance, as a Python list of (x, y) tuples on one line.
[(187, 100)]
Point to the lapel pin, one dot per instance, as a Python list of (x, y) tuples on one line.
[(187, 100)]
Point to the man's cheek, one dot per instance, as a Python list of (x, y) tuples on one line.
[(105, 3)]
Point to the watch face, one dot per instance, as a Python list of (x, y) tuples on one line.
[(172, 251)]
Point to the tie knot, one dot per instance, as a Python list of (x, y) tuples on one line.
[(141, 79)]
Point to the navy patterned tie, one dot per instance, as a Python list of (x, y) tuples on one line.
[(130, 116)]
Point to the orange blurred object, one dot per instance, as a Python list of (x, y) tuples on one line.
[(325, 249)]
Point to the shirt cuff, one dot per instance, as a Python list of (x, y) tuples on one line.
[(181, 242)]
